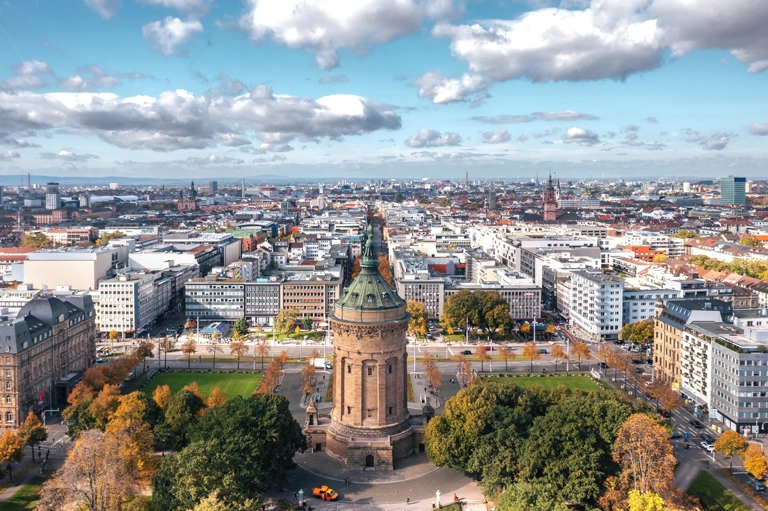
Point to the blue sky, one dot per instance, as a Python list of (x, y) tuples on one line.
[(384, 88)]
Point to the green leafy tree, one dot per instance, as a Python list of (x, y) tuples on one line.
[(106, 237), (685, 234), (750, 241), (240, 327), (307, 323), (640, 332), (35, 240), (570, 447), (444, 202), (240, 449), (417, 325), (32, 432), (182, 411), (531, 496), (660, 258), (287, 320), (482, 430)]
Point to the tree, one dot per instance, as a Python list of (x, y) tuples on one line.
[(685, 234), (750, 241), (458, 308), (647, 501), (217, 397), (660, 258), (182, 411), (35, 240), (129, 425), (417, 325), (239, 349), (11, 447), (240, 327), (189, 348), (581, 350), (531, 352), (499, 319), (241, 448), (640, 332), (384, 269), (167, 344), (162, 395), (190, 323), (482, 430), (95, 476), (113, 335), (525, 329), (262, 349), (307, 323), (482, 354), (106, 237), (433, 372), (755, 462), (731, 444), (307, 377), (356, 268), (643, 451), (104, 405), (145, 350), (214, 348), (531, 496), (505, 353), (558, 353), (32, 432), (286, 320), (444, 202), (570, 446), (605, 353)]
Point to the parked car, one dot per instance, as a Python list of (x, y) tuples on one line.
[(696, 424), (99, 360), (543, 351), (603, 365), (675, 435), (325, 493), (639, 370), (756, 485), (708, 438), (707, 447), (466, 352)]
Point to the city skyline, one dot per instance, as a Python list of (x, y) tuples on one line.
[(197, 89)]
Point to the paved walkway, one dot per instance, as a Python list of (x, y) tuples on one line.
[(58, 444), (687, 471)]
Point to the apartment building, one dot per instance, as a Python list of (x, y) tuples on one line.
[(215, 299), (312, 294), (596, 304), (44, 352), (262, 300), (672, 317)]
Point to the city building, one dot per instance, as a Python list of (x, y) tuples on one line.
[(733, 191), (74, 267), (215, 299), (52, 196), (596, 304), (46, 350)]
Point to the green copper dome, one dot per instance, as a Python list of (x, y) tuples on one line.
[(370, 291)]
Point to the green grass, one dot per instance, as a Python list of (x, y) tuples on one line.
[(232, 384), (550, 382), (25, 497), (713, 495)]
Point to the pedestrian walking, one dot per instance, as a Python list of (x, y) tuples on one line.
[(295, 496), (47, 452)]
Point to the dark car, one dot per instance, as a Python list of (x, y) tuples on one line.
[(708, 438), (696, 424), (675, 435), (756, 485), (466, 352), (603, 365), (639, 370), (543, 351)]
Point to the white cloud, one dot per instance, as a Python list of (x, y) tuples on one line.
[(522, 138), (180, 120), (759, 129), (651, 120), (545, 133), (608, 39), (193, 8), (29, 75), (631, 127), (96, 78), (632, 140), (8, 155), (333, 79), (67, 155), (441, 89), (17, 143), (580, 136), (170, 35), (105, 8), (325, 27), (212, 159), (567, 115), (504, 119), (496, 136), (272, 158), (432, 138)]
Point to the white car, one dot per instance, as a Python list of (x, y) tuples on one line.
[(707, 447)]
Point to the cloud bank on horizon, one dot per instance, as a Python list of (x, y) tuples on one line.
[(318, 87)]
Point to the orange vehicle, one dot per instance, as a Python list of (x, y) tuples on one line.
[(325, 493)]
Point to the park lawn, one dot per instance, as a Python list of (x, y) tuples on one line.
[(25, 497), (549, 382), (713, 495), (232, 384)]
